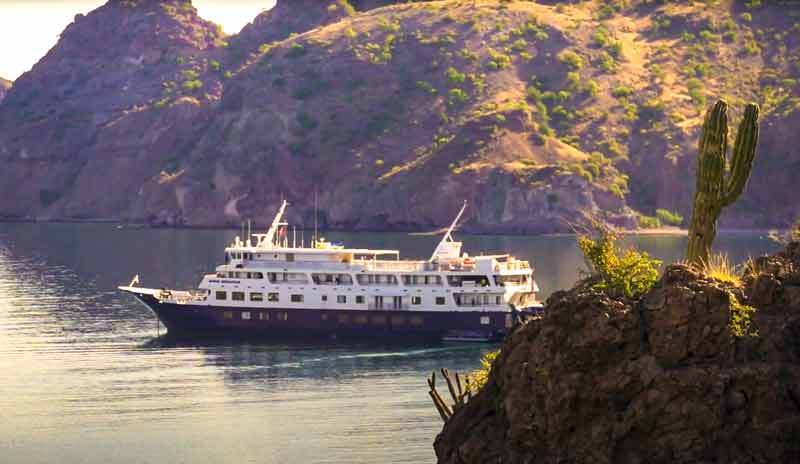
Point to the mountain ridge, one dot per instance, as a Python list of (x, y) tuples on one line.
[(540, 115)]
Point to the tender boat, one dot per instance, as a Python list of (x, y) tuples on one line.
[(269, 287)]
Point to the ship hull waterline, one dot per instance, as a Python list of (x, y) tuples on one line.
[(187, 320)]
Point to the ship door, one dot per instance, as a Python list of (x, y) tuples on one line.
[(378, 302)]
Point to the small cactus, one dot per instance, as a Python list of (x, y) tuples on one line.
[(718, 187)]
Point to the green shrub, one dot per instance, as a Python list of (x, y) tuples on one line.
[(454, 76), (426, 87), (747, 17), (695, 88), (741, 319), (571, 59), (622, 91), (592, 88), (648, 222), (669, 217), (606, 62), (192, 85), (457, 96), (498, 60), (478, 377), (629, 273), (295, 51)]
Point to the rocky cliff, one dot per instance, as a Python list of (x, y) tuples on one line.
[(4, 86), (395, 112), (686, 374)]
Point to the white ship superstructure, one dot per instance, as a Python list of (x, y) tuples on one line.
[(270, 280)]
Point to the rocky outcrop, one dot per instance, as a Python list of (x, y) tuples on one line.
[(4, 86), (674, 377)]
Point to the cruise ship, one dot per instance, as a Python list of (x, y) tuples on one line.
[(273, 288)]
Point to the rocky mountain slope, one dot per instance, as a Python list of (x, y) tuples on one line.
[(4, 86), (538, 114), (686, 374)]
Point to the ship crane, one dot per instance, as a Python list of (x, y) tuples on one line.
[(448, 249)]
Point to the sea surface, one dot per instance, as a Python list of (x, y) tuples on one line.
[(87, 376)]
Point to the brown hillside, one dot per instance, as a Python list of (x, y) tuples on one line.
[(539, 114), (4, 86)]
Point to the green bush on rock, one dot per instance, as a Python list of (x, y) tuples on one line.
[(629, 273)]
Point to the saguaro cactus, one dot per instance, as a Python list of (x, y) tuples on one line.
[(718, 187)]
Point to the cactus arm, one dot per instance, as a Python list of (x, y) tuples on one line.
[(744, 153)]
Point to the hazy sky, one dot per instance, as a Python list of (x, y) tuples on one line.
[(29, 28)]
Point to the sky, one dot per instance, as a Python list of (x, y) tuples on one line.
[(29, 28)]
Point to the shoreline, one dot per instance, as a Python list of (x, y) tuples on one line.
[(660, 231)]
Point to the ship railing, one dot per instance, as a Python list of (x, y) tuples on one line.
[(413, 266), (388, 307), (181, 297), (514, 266)]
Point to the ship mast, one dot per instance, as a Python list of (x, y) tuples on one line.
[(444, 248)]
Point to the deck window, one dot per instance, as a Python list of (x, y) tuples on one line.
[(287, 278), (256, 296), (297, 298), (485, 320), (376, 279), (264, 316), (416, 300), (245, 315), (283, 316), (332, 279), (341, 299), (360, 319), (379, 320), (360, 299), (273, 297), (440, 300), (324, 297), (468, 280), (237, 296), (398, 321), (227, 315), (416, 321), (498, 299), (221, 295), (421, 280), (344, 319)]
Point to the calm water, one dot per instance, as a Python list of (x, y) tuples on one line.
[(84, 378)]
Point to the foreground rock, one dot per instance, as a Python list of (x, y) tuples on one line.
[(660, 380)]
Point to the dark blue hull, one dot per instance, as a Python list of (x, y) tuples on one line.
[(283, 323)]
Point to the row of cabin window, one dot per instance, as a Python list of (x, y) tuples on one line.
[(361, 319), (261, 315), (374, 279), (342, 299)]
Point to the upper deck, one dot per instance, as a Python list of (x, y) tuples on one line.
[(273, 250)]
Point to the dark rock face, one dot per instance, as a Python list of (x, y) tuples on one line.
[(660, 380), (4, 86)]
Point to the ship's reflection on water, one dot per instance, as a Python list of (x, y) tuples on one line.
[(84, 376)]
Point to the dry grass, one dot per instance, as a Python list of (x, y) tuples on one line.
[(719, 267)]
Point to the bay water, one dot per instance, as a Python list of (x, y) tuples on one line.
[(87, 375)]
